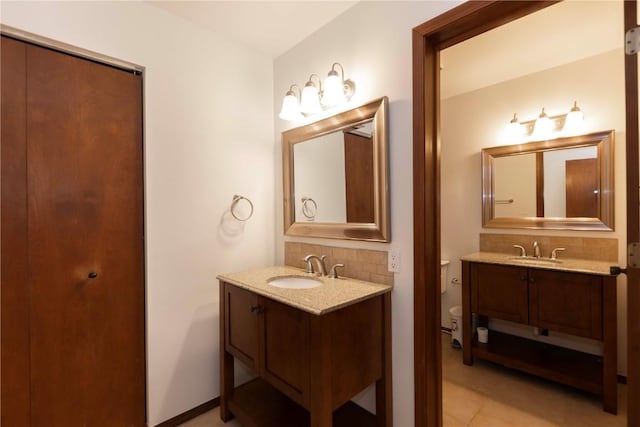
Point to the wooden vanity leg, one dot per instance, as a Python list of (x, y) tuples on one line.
[(384, 401), (226, 364), (320, 408), (610, 347)]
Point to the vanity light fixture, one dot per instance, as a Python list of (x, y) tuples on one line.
[(337, 90), (313, 98), (545, 127), (574, 122), (515, 129), (290, 105), (310, 99)]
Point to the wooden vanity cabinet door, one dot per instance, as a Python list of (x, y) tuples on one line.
[(500, 292), (566, 302), (241, 325), (284, 340)]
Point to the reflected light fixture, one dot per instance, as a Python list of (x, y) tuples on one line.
[(313, 98), (310, 99), (290, 105)]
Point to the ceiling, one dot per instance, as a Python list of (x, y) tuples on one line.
[(565, 32), (269, 27)]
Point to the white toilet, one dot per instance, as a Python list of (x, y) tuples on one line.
[(444, 264)]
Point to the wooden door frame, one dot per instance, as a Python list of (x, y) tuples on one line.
[(633, 218), (456, 25)]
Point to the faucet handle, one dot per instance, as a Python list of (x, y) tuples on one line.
[(523, 251), (554, 253), (334, 273)]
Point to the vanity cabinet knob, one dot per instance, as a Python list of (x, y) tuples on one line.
[(256, 309)]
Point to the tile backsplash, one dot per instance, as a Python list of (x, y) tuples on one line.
[(590, 248), (362, 264)]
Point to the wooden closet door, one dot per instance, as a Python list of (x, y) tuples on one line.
[(84, 218)]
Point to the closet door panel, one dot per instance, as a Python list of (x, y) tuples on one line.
[(85, 219), (14, 309)]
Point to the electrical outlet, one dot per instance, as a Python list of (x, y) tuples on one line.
[(393, 259)]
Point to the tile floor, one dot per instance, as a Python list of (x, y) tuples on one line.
[(487, 395)]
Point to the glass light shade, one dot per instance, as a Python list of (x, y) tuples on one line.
[(543, 126), (514, 129), (333, 90), (290, 108), (310, 99), (574, 122)]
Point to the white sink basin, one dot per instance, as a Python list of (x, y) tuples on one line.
[(294, 282), (536, 261)]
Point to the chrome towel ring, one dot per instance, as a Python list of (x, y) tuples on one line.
[(309, 207), (234, 204)]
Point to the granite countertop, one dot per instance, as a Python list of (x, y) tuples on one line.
[(332, 295), (562, 264)]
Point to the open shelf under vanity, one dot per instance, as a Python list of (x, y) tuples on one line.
[(562, 365), (258, 404)]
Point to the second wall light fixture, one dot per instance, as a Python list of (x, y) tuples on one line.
[(544, 126), (314, 98)]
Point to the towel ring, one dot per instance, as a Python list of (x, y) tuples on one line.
[(234, 202), (309, 207)]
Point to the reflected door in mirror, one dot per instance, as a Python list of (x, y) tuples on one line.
[(358, 154), (582, 188)]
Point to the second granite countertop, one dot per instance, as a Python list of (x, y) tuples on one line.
[(601, 268), (332, 295)]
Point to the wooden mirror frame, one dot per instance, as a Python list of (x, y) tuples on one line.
[(377, 231), (604, 141)]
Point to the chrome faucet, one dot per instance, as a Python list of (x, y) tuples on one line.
[(554, 253), (536, 249), (322, 269)]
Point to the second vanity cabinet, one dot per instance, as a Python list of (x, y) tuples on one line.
[(308, 366), (575, 303)]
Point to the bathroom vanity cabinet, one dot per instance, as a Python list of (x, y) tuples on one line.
[(569, 302), (308, 366)]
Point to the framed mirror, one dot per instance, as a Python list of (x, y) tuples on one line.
[(336, 174), (564, 183)]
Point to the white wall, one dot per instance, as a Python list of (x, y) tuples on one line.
[(208, 135), (598, 85), (372, 41)]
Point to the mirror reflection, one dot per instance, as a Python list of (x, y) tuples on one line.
[(345, 194), (563, 183), (336, 176)]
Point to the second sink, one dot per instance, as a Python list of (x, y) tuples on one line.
[(294, 282)]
